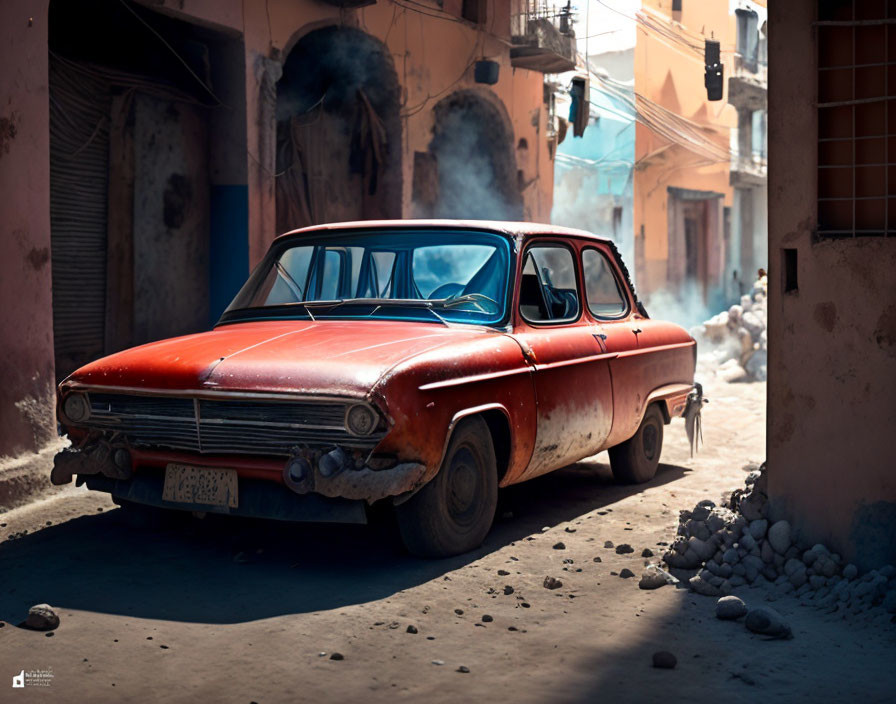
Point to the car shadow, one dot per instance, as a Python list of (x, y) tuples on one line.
[(230, 570)]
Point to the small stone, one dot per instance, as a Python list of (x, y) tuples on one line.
[(459, 612), (730, 608), (850, 571), (608, 544), (438, 662), (768, 622), (647, 552), (701, 586), (41, 617), (411, 629), (792, 566), (626, 573), (597, 559), (486, 618), (569, 530), (664, 660), (624, 549), (559, 546), (463, 668), (508, 589), (758, 528), (730, 556), (337, 656), (552, 583), (779, 537), (654, 577), (503, 573)]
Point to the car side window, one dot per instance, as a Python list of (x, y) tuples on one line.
[(548, 290), (602, 291)]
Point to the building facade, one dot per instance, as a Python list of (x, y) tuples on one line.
[(151, 150), (686, 176), (832, 289)]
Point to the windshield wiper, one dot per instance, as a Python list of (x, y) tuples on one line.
[(475, 298)]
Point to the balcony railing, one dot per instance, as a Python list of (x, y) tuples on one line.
[(748, 171), (543, 37), (748, 83)]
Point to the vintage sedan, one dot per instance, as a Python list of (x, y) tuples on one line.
[(420, 363)]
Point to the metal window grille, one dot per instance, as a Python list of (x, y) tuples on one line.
[(856, 118)]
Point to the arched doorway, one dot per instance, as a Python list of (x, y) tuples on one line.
[(473, 150), (338, 131)]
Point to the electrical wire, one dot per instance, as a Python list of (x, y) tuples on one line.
[(172, 50)]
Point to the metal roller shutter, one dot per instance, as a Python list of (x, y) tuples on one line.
[(79, 163)]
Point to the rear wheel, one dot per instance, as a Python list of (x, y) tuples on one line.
[(635, 461), (453, 513)]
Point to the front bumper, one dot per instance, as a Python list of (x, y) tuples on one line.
[(345, 477), (258, 499)]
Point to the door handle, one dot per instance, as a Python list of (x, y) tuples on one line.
[(637, 331)]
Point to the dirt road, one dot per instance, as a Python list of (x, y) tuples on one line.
[(240, 611)]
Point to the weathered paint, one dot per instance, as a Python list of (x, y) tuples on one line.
[(553, 384)]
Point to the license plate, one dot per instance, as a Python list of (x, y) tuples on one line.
[(199, 485)]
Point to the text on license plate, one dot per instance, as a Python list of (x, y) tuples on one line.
[(200, 485)]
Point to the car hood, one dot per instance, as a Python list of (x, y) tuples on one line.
[(344, 357)]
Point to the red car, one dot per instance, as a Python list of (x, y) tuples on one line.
[(423, 363)]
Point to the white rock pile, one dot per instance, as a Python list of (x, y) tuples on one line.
[(735, 544), (736, 340)]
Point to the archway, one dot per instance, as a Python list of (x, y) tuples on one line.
[(473, 150), (338, 131)]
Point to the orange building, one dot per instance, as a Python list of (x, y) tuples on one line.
[(684, 162)]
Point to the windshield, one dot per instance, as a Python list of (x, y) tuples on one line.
[(435, 276)]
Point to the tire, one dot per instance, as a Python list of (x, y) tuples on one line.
[(635, 461), (453, 513)]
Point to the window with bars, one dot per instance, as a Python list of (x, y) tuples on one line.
[(856, 118)]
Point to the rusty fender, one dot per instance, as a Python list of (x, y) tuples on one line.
[(113, 461), (335, 475)]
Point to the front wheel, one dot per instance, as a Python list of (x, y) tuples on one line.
[(635, 461), (453, 513)]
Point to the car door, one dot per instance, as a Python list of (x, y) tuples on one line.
[(570, 368), (610, 305)]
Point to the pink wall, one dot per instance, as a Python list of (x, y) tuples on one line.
[(26, 320), (832, 343)]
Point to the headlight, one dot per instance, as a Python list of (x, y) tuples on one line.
[(360, 420), (76, 408)]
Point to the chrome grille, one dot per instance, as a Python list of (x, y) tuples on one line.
[(224, 426)]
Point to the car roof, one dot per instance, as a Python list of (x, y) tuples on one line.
[(526, 229)]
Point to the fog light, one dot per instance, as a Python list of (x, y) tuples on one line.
[(122, 458), (360, 420), (298, 469), (332, 462), (76, 408)]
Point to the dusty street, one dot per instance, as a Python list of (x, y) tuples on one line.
[(234, 611)]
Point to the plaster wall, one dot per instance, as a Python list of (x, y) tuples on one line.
[(671, 75), (832, 342), (26, 320), (433, 57)]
